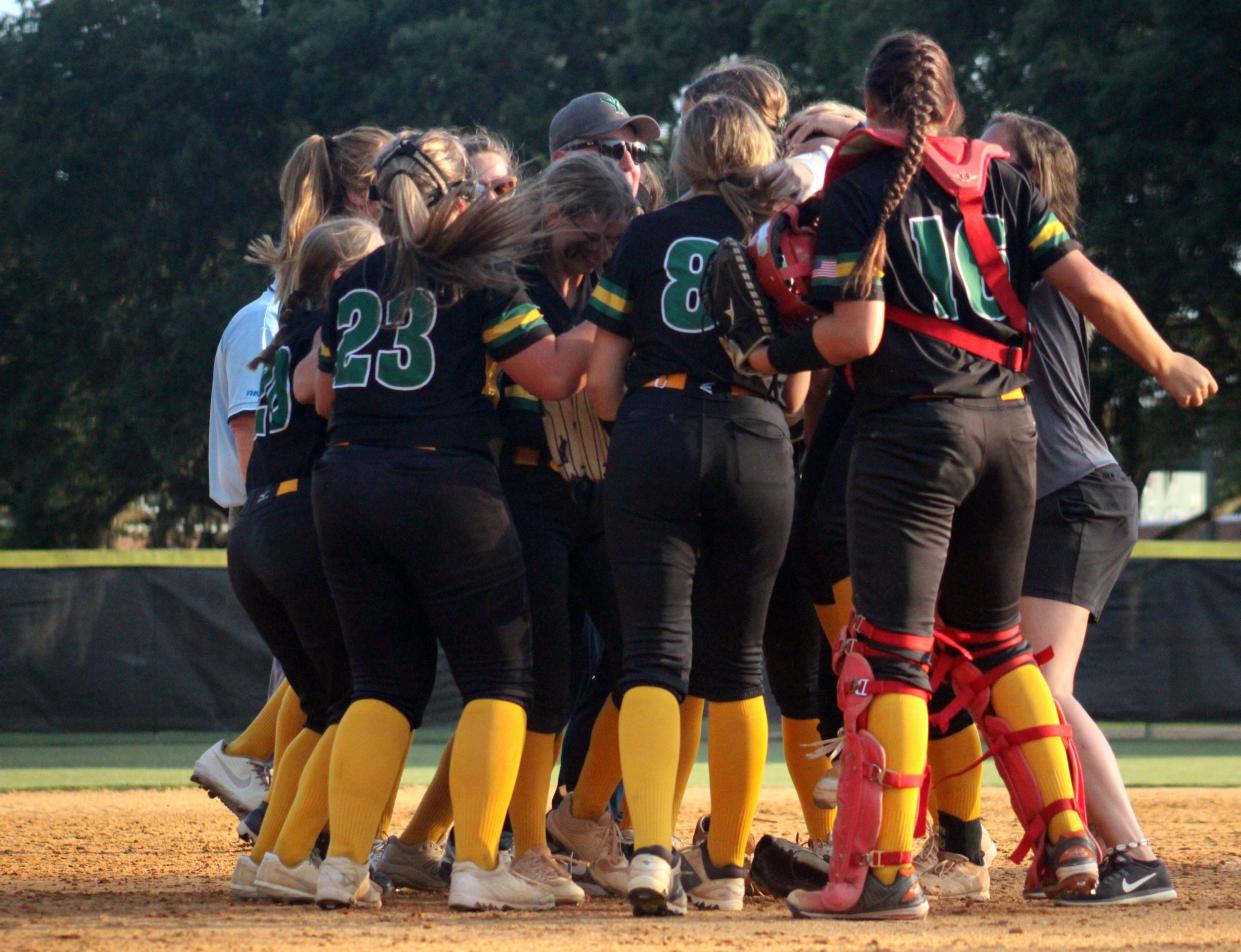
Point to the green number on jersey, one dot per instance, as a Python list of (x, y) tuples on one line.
[(410, 362), (357, 318), (937, 262), (981, 301), (684, 263), (276, 387), (931, 250)]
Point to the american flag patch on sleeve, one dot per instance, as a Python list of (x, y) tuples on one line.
[(833, 271)]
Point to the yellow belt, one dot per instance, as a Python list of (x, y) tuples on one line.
[(681, 381), (286, 487)]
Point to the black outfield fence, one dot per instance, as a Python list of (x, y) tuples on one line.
[(154, 640)]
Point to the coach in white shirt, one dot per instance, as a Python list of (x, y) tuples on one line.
[(235, 399)]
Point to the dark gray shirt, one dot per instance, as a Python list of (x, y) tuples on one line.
[(1069, 444)]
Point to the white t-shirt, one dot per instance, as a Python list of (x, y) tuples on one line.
[(816, 163), (234, 390)]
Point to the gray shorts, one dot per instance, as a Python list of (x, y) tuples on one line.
[(1082, 537)]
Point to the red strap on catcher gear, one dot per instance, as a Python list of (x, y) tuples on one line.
[(1012, 739), (981, 644), (870, 640), (1038, 829), (885, 858), (973, 693), (959, 166), (1014, 358)]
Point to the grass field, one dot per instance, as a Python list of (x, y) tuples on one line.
[(129, 761)]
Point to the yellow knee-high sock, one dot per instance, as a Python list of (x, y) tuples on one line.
[(431, 821), (528, 811), (289, 723), (960, 796), (367, 760), (258, 740), (486, 757), (308, 815), (601, 770), (899, 722), (687, 754), (280, 797), (385, 818), (799, 736), (649, 745), (736, 754), (1023, 699), (834, 617)]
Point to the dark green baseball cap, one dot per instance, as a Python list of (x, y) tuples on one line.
[(594, 115)]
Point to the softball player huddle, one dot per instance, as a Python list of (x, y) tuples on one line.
[(616, 459)]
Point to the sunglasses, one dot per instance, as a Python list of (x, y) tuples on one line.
[(614, 149), (502, 186)]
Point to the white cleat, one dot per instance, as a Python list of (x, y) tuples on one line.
[(474, 889), (343, 883), (539, 866), (241, 886), (655, 886), (286, 883), (240, 783), (705, 887), (413, 867)]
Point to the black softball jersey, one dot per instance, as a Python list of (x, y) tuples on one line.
[(931, 270), (288, 436), (651, 292), (410, 370)]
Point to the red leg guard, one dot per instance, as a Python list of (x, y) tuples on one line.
[(973, 690), (863, 775)]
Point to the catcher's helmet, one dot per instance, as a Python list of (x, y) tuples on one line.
[(782, 252)]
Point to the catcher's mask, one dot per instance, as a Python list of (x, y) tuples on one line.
[(782, 252)]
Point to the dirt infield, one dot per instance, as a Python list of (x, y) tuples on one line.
[(114, 870)]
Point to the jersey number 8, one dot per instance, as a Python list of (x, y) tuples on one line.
[(681, 304)]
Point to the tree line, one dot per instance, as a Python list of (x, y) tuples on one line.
[(141, 141)]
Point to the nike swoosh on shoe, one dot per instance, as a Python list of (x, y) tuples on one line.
[(1129, 887)]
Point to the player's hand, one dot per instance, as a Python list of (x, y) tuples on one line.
[(788, 180), (805, 128), (1188, 382)]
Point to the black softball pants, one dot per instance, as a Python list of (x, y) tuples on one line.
[(560, 525), (277, 575), (698, 505), (419, 548), (940, 504)]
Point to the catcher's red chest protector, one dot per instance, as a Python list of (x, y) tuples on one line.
[(959, 166)]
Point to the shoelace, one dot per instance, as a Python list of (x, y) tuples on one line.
[(612, 841), (561, 863), (830, 748)]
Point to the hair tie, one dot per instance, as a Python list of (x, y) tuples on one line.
[(329, 143)]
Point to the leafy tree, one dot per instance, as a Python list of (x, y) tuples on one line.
[(140, 145)]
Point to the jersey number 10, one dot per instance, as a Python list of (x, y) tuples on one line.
[(937, 259)]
